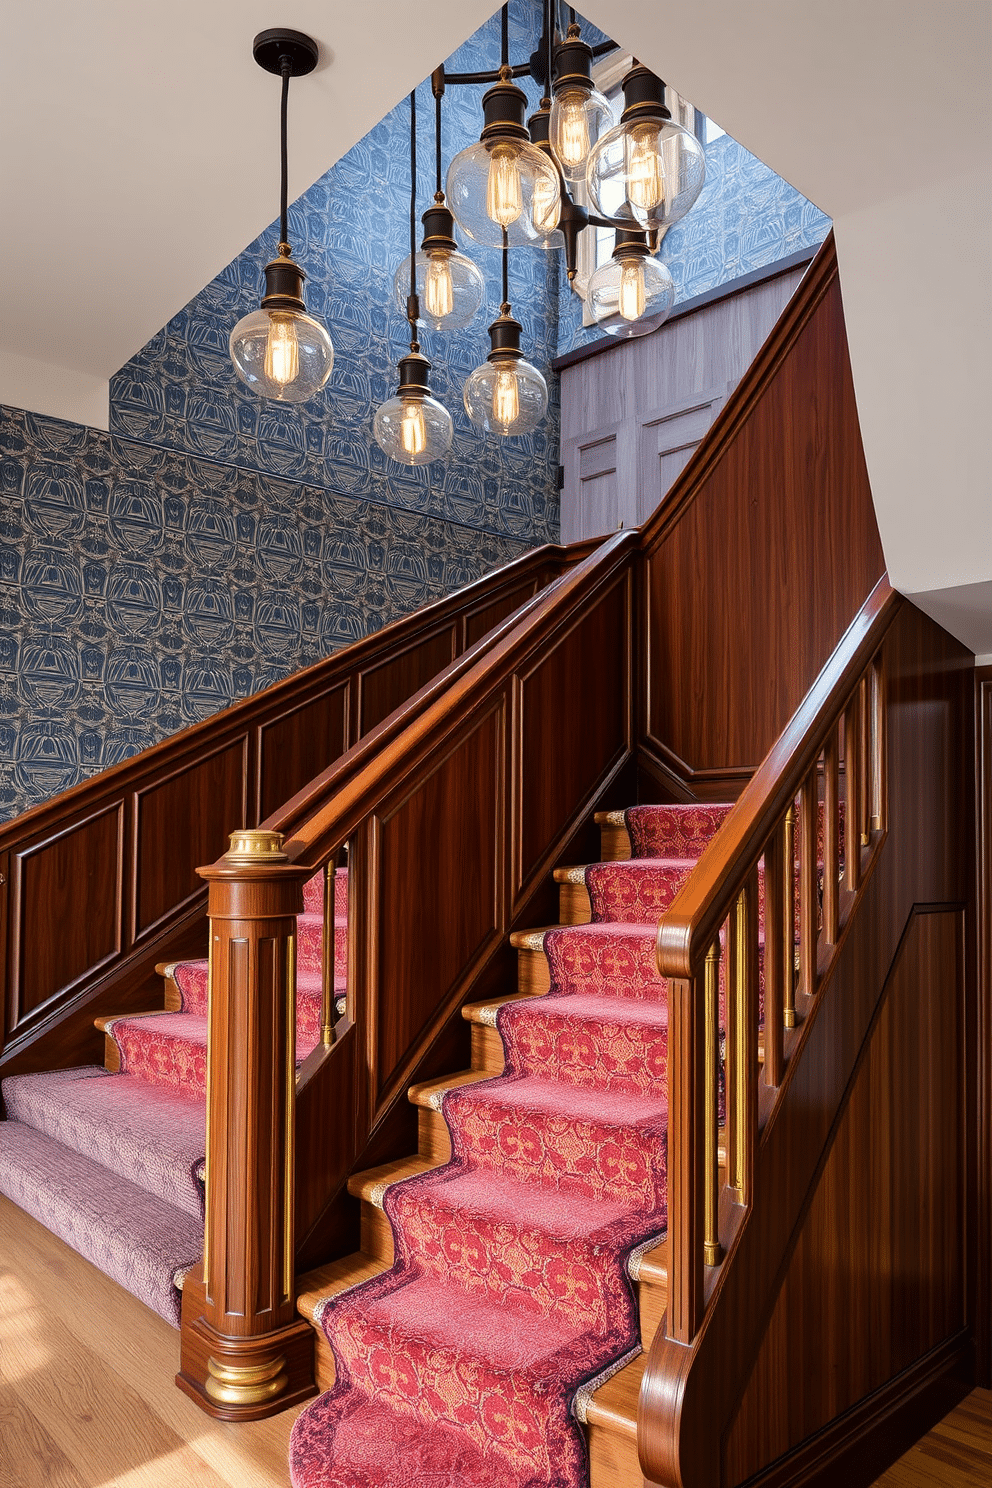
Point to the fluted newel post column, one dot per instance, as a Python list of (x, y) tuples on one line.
[(244, 1351)]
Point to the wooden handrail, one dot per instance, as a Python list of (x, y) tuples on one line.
[(340, 798), (160, 812), (703, 903), (722, 891), (459, 722)]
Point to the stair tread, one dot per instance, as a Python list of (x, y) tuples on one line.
[(371, 1183), (136, 1239), (614, 1404), (556, 1098), (485, 1012), (153, 1136), (316, 1288), (429, 1093), (492, 1197), (600, 1007)]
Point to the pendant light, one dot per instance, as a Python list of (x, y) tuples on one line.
[(506, 395), (504, 186), (648, 168), (580, 114), (449, 286), (413, 428), (280, 351), (634, 292)]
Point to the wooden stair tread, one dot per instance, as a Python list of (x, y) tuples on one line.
[(371, 1184), (429, 1093), (531, 940), (614, 1404), (105, 1019), (485, 1012), (574, 873), (653, 1265), (610, 818), (315, 1287)]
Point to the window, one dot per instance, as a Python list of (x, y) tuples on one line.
[(596, 245)]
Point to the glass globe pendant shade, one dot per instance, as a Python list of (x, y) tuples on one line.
[(282, 354), (280, 351), (506, 395), (413, 428), (648, 168), (631, 294), (504, 183), (450, 288), (579, 118)]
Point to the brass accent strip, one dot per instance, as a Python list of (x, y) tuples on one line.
[(712, 1249), (245, 1384), (328, 949), (207, 1192), (736, 1154), (289, 1154), (789, 918)]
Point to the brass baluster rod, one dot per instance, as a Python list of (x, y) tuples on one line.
[(712, 1250), (789, 918), (852, 791), (742, 1041), (831, 840), (808, 812)]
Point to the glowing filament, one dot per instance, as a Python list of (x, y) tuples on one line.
[(645, 176), (572, 134), (631, 304), (413, 430), (506, 398), (282, 350), (439, 292), (504, 192), (546, 203)]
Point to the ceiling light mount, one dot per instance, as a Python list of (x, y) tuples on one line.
[(272, 48)]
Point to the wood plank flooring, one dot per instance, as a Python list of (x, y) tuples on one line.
[(87, 1398), (957, 1453), (87, 1393)]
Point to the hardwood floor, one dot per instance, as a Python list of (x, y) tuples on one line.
[(957, 1453), (87, 1398)]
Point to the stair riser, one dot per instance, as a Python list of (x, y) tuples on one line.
[(614, 843), (613, 1459), (487, 1049)]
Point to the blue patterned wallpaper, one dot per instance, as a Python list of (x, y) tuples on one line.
[(141, 590), (350, 232), (213, 543)]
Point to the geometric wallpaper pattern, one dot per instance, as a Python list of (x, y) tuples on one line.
[(212, 543)]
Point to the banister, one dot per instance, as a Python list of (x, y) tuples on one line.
[(339, 798), (699, 909)]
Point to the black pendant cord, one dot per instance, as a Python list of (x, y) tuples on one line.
[(285, 67), (505, 36), (437, 144), (549, 31), (413, 303), (504, 309)]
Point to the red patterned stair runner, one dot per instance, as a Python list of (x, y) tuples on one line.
[(113, 1163), (458, 1367)]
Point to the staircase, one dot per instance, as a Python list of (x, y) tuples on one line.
[(112, 1159)]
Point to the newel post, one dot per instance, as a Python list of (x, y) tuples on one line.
[(244, 1352)]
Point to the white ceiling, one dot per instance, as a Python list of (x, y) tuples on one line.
[(138, 157)]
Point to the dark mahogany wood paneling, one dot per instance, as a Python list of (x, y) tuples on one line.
[(983, 1026), (763, 552), (439, 900), (582, 684), (877, 1277), (71, 879), (481, 621), (183, 821), (298, 745), (382, 688)]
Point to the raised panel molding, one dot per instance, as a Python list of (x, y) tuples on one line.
[(883, 1234), (74, 878), (666, 442), (297, 745), (180, 823), (383, 687), (431, 935)]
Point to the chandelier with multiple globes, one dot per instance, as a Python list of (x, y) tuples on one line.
[(538, 183)]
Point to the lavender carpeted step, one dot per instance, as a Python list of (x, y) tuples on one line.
[(141, 1242), (150, 1135), (604, 1043)]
